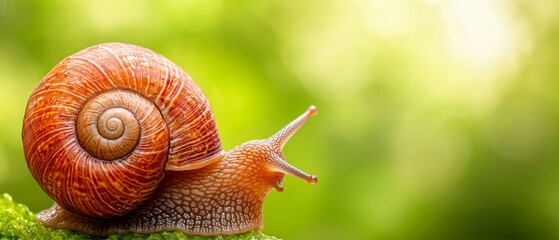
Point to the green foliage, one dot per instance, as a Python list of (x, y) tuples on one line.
[(16, 222)]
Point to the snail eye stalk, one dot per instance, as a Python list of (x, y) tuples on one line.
[(278, 140)]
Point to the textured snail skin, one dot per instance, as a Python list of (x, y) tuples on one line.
[(124, 141)]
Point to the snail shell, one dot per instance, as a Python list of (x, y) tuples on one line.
[(103, 125)]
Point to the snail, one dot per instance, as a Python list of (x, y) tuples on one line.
[(123, 140)]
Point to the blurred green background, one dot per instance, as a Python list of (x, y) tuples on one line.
[(438, 119)]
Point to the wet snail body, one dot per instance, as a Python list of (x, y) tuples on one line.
[(124, 141)]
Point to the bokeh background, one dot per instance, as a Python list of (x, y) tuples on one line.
[(438, 119)]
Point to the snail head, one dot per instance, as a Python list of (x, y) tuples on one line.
[(267, 153)]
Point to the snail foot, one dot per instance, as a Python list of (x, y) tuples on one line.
[(59, 218)]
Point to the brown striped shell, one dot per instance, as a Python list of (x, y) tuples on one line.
[(103, 125)]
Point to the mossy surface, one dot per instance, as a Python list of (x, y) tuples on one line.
[(16, 222)]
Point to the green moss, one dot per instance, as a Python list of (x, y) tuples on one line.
[(16, 222)]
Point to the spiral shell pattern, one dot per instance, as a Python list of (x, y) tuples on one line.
[(103, 125), (107, 127)]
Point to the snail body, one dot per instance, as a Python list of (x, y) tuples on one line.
[(124, 141)]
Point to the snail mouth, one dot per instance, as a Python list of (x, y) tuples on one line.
[(277, 184)]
